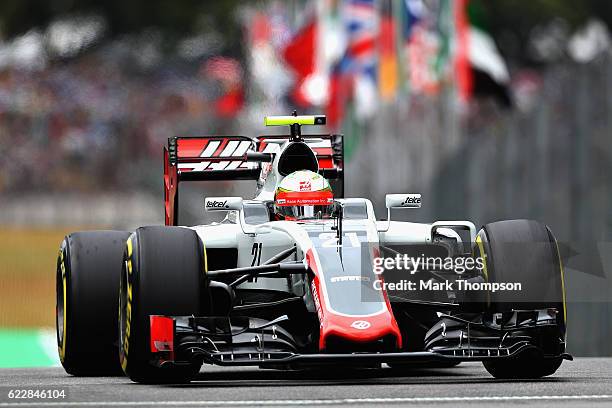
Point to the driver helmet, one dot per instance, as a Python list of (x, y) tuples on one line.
[(303, 194)]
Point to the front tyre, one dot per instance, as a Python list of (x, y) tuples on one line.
[(529, 365), (163, 274), (526, 252)]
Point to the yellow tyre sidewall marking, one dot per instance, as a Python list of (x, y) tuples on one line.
[(126, 337), (62, 348), (562, 271), (205, 259), (483, 256)]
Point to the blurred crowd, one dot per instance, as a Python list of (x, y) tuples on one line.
[(95, 116), (86, 124)]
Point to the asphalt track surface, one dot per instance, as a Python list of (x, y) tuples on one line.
[(581, 383)]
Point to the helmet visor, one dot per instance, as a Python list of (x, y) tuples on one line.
[(305, 212), (305, 205)]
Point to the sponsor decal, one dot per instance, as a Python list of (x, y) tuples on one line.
[(361, 324), (403, 200), (305, 185), (412, 200), (216, 204), (305, 198), (305, 201), (317, 302), (350, 278)]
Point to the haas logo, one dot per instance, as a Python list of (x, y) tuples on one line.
[(216, 204), (305, 185), (360, 325)]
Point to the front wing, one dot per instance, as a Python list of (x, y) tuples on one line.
[(244, 341)]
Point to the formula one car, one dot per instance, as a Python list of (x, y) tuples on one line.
[(300, 277)]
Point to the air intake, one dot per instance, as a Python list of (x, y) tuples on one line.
[(297, 156)]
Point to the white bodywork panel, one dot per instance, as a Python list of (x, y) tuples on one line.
[(230, 235), (266, 240)]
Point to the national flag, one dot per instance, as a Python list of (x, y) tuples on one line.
[(463, 73), (313, 52), (340, 89), (299, 55), (361, 21), (355, 74), (412, 12), (489, 74), (422, 45), (388, 65), (300, 52), (481, 70), (229, 74), (227, 106)]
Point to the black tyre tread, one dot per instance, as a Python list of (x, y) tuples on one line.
[(167, 279), (92, 262), (508, 242), (523, 368), (524, 251)]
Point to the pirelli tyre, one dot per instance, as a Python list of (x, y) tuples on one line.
[(525, 252), (163, 274), (87, 283)]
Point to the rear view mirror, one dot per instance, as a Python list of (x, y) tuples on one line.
[(403, 201), (400, 201), (234, 204), (223, 203)]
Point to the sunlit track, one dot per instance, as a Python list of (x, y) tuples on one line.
[(584, 382)]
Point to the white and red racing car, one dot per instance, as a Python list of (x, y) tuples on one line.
[(297, 276)]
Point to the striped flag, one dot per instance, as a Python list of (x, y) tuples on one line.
[(361, 21), (388, 76), (462, 67), (355, 74), (428, 34)]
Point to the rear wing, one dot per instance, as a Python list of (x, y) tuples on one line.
[(203, 158)]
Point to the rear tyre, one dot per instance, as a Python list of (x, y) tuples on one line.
[(526, 252), (87, 283), (163, 274)]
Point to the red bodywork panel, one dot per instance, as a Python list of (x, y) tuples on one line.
[(358, 329), (162, 334), (170, 191)]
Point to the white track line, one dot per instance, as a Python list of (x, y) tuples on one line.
[(341, 401)]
